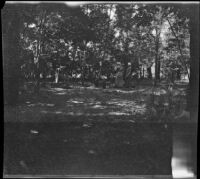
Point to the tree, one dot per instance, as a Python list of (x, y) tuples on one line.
[(127, 39), (194, 62), (11, 25), (153, 17), (101, 42), (191, 13), (39, 26), (178, 38)]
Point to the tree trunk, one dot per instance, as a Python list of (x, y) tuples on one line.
[(11, 53), (142, 72), (56, 76), (193, 92), (172, 76), (149, 72), (37, 76), (37, 69), (158, 69), (178, 74), (83, 75), (125, 71), (156, 60)]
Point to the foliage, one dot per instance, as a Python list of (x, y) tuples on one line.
[(92, 40)]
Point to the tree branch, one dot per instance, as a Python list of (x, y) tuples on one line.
[(179, 46)]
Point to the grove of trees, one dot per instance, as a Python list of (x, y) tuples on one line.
[(91, 42)]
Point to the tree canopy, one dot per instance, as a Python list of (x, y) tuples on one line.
[(89, 41)]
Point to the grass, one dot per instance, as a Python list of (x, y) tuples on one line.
[(58, 103)]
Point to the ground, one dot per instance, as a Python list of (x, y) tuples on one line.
[(93, 131), (111, 104)]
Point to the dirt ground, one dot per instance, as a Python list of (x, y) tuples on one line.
[(139, 104), (92, 131)]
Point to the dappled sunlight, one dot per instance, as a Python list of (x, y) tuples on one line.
[(62, 93), (137, 89), (100, 110), (136, 109), (98, 107), (130, 107), (83, 102), (155, 91), (59, 89), (120, 102), (160, 92), (86, 113), (58, 112), (51, 112), (118, 113), (114, 106), (92, 88), (121, 91), (41, 104), (101, 102), (92, 103), (76, 102), (73, 113), (45, 112)]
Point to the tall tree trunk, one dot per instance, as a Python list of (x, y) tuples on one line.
[(57, 76), (83, 75), (37, 78), (178, 74), (142, 72), (125, 55), (193, 94), (11, 53), (37, 69), (149, 72), (156, 59), (40, 49), (158, 69), (125, 70)]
